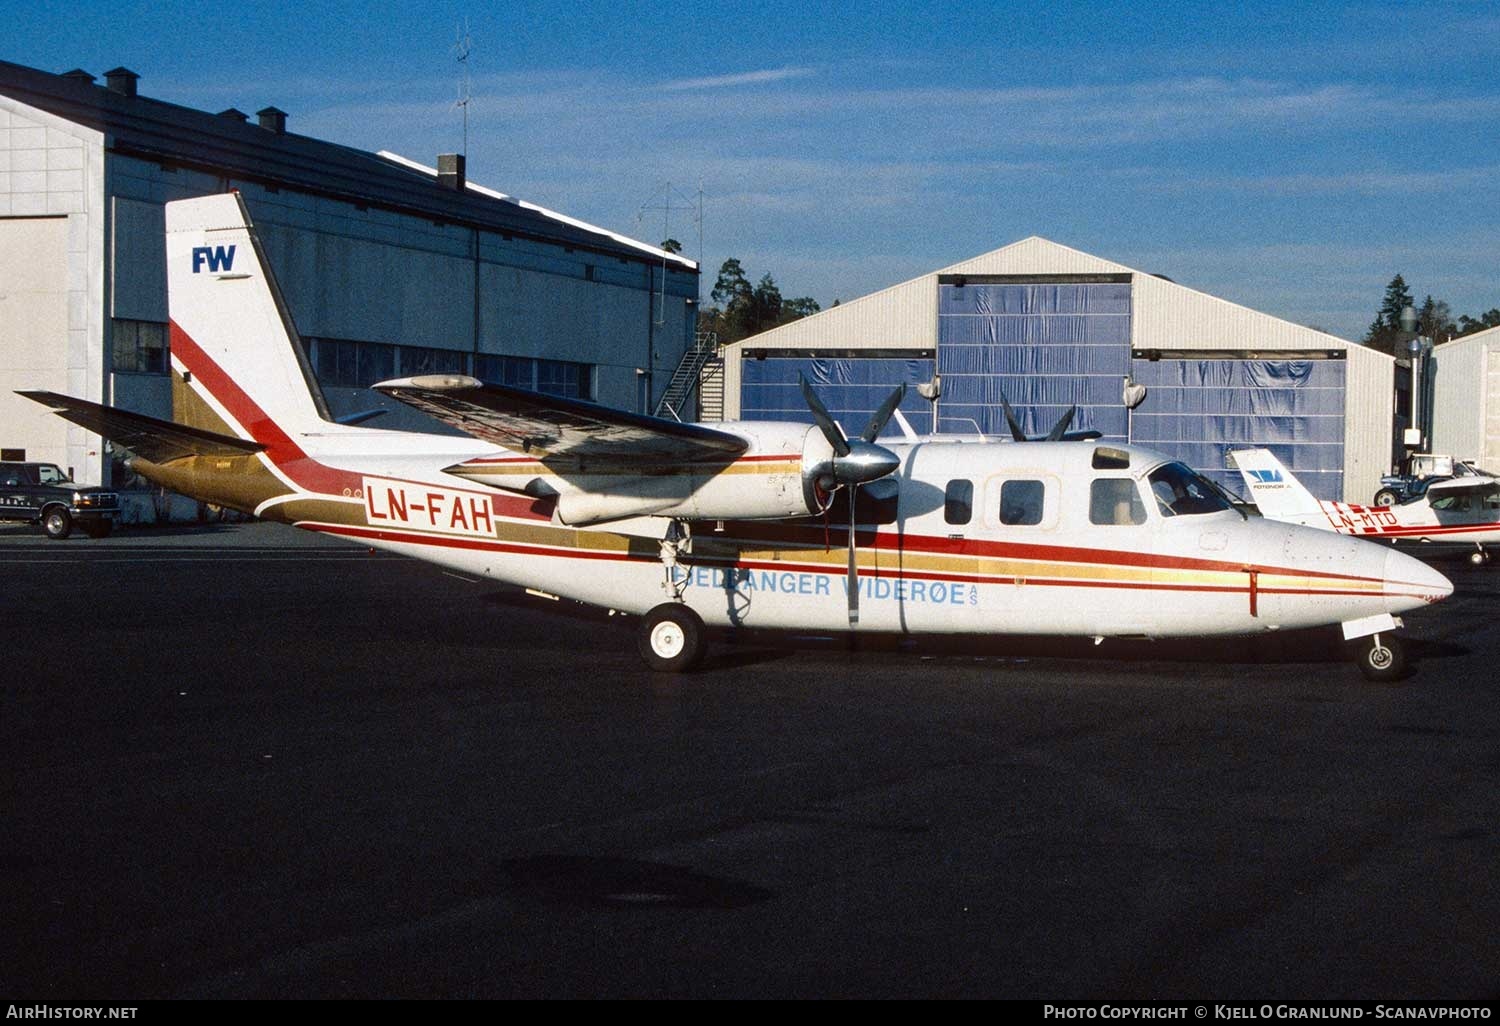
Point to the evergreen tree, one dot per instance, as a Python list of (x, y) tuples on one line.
[(1382, 334)]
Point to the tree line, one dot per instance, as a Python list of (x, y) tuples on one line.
[(1434, 319), (739, 309)]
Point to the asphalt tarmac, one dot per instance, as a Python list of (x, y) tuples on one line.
[(244, 762)]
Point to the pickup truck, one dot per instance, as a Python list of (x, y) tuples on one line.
[(41, 493)]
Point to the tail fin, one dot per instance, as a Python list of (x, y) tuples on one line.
[(1278, 494), (239, 367)]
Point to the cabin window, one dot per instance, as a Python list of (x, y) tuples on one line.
[(1021, 503), (1452, 503), (1115, 500), (958, 502)]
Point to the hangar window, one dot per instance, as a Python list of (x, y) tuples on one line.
[(423, 360), (550, 377), (1021, 503), (140, 347), (958, 502), (1115, 500), (341, 363)]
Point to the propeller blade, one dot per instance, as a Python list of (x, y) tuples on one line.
[(853, 578), (878, 421), (1010, 419), (823, 419), (1061, 427)]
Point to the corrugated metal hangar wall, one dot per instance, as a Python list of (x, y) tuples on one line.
[(390, 267), (1218, 377)]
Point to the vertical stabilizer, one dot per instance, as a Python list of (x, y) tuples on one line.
[(1278, 494), (238, 363)]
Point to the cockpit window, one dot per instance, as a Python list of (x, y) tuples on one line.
[(1180, 492)]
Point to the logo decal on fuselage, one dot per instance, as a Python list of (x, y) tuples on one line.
[(218, 258)]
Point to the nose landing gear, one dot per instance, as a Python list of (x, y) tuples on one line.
[(1381, 657)]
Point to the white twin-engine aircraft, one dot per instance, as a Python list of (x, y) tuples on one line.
[(744, 524), (1462, 510)]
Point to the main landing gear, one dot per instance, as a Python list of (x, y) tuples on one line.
[(1381, 657), (671, 638), (1479, 557)]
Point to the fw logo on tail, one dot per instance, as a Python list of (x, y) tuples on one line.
[(218, 258)]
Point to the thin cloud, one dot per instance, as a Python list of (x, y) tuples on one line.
[(742, 79)]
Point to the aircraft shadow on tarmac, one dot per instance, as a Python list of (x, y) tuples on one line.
[(735, 648), (628, 883)]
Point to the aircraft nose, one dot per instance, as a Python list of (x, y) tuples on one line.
[(1410, 583)]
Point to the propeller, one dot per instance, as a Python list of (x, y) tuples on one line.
[(1059, 432), (855, 462)]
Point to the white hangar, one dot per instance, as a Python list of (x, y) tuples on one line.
[(1048, 327), (389, 267), (1464, 398)]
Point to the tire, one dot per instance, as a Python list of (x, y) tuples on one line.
[(57, 522), (1381, 658), (1385, 497), (98, 528), (670, 638)]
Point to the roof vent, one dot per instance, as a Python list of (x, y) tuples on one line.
[(451, 171), (272, 120), (121, 80), (78, 75), (235, 114)]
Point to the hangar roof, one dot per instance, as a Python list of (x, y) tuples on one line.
[(229, 143), (1167, 315)]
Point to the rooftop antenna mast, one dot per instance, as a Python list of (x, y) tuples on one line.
[(668, 201), (463, 46)]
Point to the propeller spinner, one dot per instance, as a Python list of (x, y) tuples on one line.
[(855, 462)]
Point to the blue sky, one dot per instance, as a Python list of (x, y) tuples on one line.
[(1290, 157)]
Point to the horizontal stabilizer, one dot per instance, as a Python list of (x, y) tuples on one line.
[(158, 441), (559, 431)]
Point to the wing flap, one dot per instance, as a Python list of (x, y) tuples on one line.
[(561, 432), (158, 441)]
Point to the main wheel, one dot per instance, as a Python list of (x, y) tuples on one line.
[(1479, 557), (671, 638), (57, 522), (1385, 497), (1381, 657)]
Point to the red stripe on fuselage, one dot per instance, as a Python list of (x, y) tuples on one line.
[(782, 566), (285, 454)]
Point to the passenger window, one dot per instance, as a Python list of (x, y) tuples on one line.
[(1115, 500), (1021, 503), (958, 502)]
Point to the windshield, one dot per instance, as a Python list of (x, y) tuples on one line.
[(1180, 492)]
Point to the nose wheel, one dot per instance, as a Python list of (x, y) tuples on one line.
[(1381, 657)]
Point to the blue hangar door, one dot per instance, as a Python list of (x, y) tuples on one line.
[(1042, 343), (1201, 405), (851, 383)]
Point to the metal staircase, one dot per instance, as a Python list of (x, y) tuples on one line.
[(684, 382)]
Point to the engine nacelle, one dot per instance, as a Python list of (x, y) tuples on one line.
[(769, 480)]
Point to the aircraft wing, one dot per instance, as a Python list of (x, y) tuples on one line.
[(158, 441), (1462, 486), (557, 431)]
